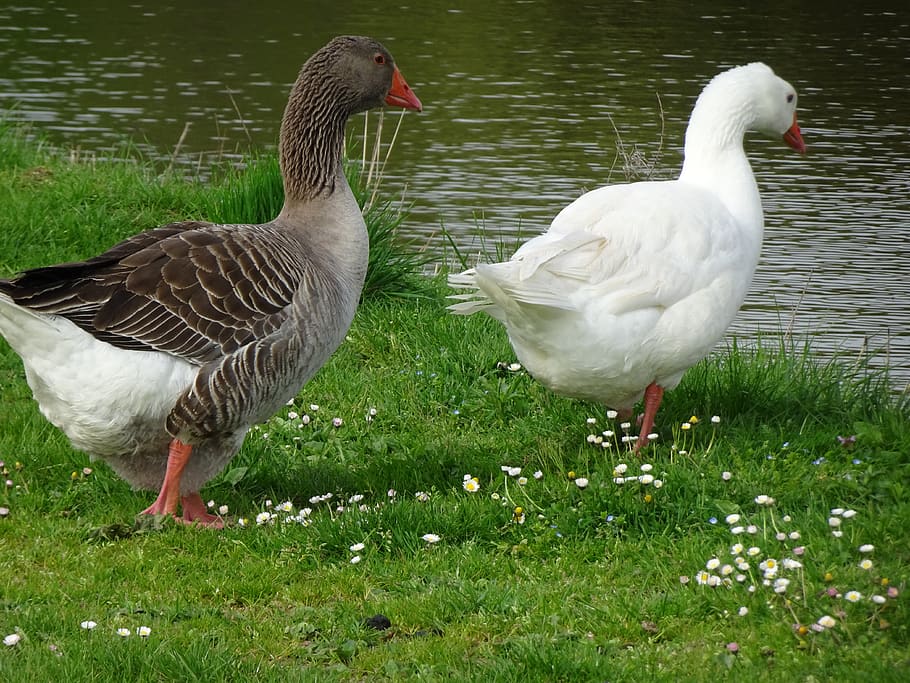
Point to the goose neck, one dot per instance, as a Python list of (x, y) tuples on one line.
[(716, 161), (311, 145), (715, 131)]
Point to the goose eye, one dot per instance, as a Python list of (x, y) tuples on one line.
[(790, 97), (379, 59)]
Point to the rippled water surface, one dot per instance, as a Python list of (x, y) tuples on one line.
[(523, 104)]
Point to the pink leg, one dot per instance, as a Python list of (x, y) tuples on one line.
[(195, 512), (653, 396), (166, 502)]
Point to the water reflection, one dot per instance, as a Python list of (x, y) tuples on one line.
[(523, 104)]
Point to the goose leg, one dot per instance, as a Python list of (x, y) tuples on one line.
[(624, 414), (653, 395), (195, 512), (166, 503)]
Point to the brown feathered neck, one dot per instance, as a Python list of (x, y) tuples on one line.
[(312, 130)]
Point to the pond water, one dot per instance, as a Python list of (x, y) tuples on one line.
[(526, 105)]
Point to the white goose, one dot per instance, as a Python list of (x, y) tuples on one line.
[(633, 284), (159, 354)]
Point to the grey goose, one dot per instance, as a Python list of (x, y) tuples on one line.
[(158, 355)]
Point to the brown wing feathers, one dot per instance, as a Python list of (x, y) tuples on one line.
[(191, 289)]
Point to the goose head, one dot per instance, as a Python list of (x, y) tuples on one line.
[(348, 75), (365, 74), (774, 102), (750, 97)]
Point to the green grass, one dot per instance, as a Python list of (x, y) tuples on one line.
[(586, 586)]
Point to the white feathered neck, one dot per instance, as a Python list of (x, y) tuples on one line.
[(714, 155)]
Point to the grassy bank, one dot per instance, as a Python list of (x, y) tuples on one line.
[(553, 572)]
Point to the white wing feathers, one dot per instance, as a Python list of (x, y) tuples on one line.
[(598, 249)]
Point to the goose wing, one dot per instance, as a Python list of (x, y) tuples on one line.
[(194, 290), (628, 247)]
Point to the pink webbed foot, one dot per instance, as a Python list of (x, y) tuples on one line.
[(195, 512)]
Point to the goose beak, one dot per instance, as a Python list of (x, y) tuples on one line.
[(401, 95), (794, 138)]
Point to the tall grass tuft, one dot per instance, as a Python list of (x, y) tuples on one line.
[(17, 150), (251, 194), (637, 165), (396, 265), (781, 380)]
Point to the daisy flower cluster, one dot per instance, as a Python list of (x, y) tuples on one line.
[(356, 549), (766, 561), (123, 632), (524, 495), (626, 439), (506, 499), (513, 492), (332, 506), (684, 435), (837, 518), (299, 418), (610, 439), (641, 477), (8, 486), (286, 512), (15, 638)]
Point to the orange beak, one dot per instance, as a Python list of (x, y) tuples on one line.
[(401, 95), (794, 138)]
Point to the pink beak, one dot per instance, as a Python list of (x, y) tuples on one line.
[(794, 138), (401, 95)]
